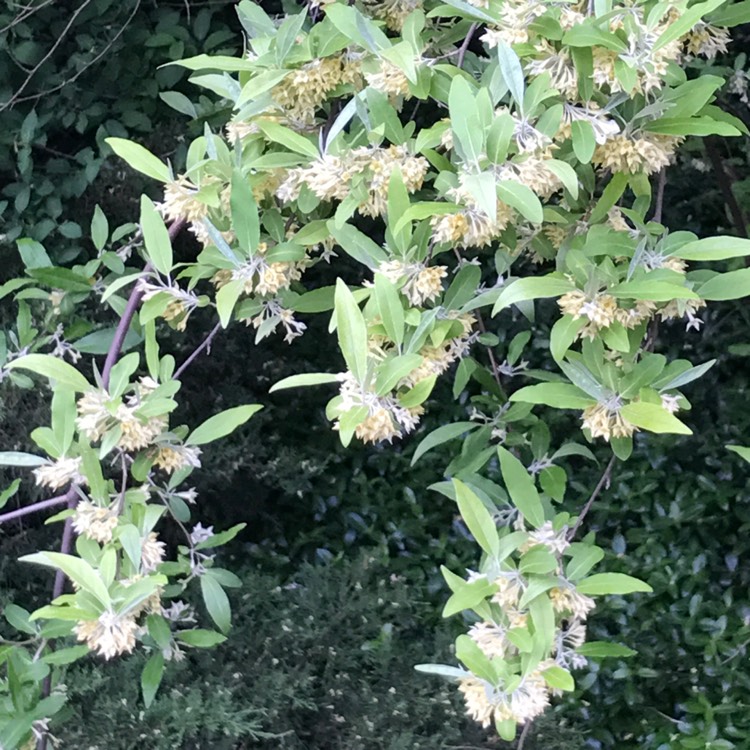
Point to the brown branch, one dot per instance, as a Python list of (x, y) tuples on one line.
[(465, 46), (603, 483), (23, 15), (524, 735), (127, 317), (205, 344), (726, 183), (36, 507), (659, 208)]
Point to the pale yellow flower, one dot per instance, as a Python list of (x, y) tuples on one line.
[(60, 473), (110, 635), (94, 522)]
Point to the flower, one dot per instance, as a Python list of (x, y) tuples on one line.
[(94, 417), (599, 309), (569, 600), (94, 522), (422, 284), (393, 12), (707, 40), (389, 79), (171, 458), (490, 637), (200, 533), (109, 635), (604, 420), (485, 702), (647, 152), (180, 201), (59, 473), (555, 541), (152, 552)]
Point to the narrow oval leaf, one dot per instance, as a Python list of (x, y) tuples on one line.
[(156, 237), (604, 584), (305, 379), (477, 519), (521, 488), (222, 424), (139, 158), (654, 418), (53, 368)]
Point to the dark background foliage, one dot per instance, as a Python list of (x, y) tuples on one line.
[(340, 558)]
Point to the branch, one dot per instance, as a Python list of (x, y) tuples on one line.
[(465, 46), (49, 54), (524, 735), (127, 317), (659, 208), (205, 345), (725, 183), (101, 54), (35, 507), (603, 483)]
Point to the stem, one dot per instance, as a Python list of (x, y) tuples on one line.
[(205, 345), (35, 507), (127, 317), (601, 484), (465, 46), (524, 735), (659, 208), (726, 182)]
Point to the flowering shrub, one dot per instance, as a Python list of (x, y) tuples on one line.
[(467, 157)]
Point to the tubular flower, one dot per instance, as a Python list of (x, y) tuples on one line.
[(491, 638), (389, 79), (647, 152), (94, 522), (180, 201), (569, 600), (605, 420), (110, 635), (485, 703), (60, 473), (422, 283), (171, 458), (393, 12)]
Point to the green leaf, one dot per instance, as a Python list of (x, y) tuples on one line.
[(244, 209), (511, 72), (603, 584), (139, 158), (393, 369), (53, 368), (740, 451), (559, 678), (563, 334), (222, 424), (65, 655), (584, 141), (654, 418), (713, 248), (522, 198), (442, 670), (521, 488), (156, 237), (305, 379), (99, 228), (537, 561), (226, 300), (17, 458), (557, 395), (358, 245), (78, 570), (419, 393), (151, 677), (584, 558), (685, 22), (390, 309), (531, 287), (288, 138), (725, 286), (351, 330), (601, 649), (467, 131), (217, 602), (468, 596), (442, 435), (200, 638), (477, 518), (33, 254)]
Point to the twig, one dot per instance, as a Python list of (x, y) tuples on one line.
[(465, 46), (24, 15), (725, 183), (35, 507), (49, 54), (127, 317), (101, 54), (205, 345), (524, 735), (601, 484), (659, 207)]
